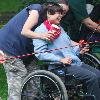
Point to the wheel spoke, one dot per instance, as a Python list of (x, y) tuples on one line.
[(40, 89)]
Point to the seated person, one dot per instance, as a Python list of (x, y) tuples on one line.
[(69, 55)]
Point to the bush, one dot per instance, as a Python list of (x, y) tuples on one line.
[(96, 2)]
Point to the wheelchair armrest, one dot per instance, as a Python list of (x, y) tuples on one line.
[(57, 63)]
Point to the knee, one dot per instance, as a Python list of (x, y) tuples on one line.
[(93, 77), (23, 73)]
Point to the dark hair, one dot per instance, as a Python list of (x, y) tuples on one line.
[(51, 8)]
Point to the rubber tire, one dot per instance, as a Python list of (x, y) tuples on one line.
[(94, 61), (52, 76)]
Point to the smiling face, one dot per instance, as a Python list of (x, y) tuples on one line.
[(55, 11)]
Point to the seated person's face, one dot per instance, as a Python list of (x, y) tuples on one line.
[(54, 19)]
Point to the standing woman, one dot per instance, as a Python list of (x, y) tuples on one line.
[(15, 39), (77, 12)]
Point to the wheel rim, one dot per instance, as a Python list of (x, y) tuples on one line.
[(46, 89), (91, 60)]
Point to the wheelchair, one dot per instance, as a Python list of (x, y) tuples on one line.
[(92, 58), (45, 84)]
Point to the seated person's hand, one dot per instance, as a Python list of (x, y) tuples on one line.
[(2, 57), (66, 60), (84, 49)]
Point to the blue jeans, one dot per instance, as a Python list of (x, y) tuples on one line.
[(88, 75)]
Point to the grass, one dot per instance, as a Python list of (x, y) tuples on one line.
[(3, 84), (9, 8), (15, 5), (10, 5)]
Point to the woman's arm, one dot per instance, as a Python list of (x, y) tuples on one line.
[(30, 23), (2, 57), (91, 24)]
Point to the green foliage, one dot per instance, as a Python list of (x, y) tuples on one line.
[(3, 84), (96, 2), (1, 25), (34, 1), (9, 6), (15, 5)]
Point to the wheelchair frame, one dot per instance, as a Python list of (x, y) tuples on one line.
[(60, 86)]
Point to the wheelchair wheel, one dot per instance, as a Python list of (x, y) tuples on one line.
[(91, 60), (43, 85)]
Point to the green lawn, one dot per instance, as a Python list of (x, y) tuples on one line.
[(9, 5), (3, 84), (15, 5)]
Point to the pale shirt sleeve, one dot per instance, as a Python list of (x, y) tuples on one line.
[(41, 46), (76, 48)]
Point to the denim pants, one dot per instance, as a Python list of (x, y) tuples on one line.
[(88, 75), (15, 72)]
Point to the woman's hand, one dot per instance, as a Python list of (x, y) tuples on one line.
[(47, 36), (66, 60), (2, 57), (84, 49)]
